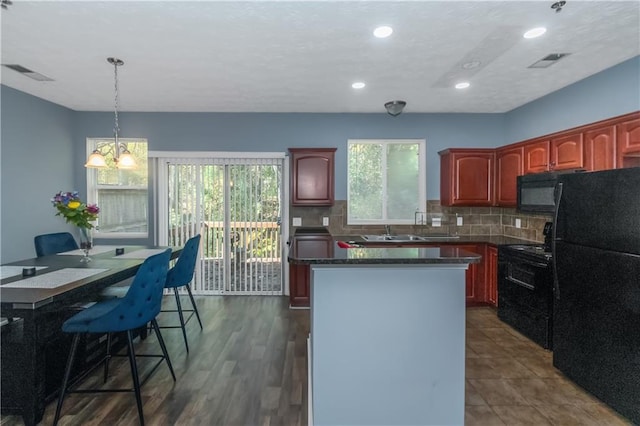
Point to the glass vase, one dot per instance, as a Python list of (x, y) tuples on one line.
[(86, 242)]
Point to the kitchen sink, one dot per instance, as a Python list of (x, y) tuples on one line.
[(403, 238)]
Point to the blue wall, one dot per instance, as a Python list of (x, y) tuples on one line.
[(613, 92), (31, 125), (37, 161), (277, 132)]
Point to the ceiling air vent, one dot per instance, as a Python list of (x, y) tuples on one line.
[(27, 72), (548, 60)]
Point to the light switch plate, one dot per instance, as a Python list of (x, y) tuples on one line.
[(459, 221), (436, 222), (325, 221), (297, 221), (518, 223)]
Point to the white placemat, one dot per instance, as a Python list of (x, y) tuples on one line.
[(55, 279), (140, 254), (12, 271), (92, 250)]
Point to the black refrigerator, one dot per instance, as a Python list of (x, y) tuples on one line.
[(596, 255)]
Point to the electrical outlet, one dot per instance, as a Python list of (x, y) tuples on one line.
[(325, 221), (518, 223), (436, 222), (459, 221), (297, 221)]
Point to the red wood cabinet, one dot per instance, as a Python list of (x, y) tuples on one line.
[(509, 165), (491, 267), (599, 148), (300, 275), (536, 156), (474, 277), (466, 177), (628, 143), (567, 152), (312, 176)]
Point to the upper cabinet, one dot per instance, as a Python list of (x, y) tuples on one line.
[(567, 152), (628, 143), (562, 152), (536, 156), (599, 148), (509, 165), (312, 176), (466, 177)]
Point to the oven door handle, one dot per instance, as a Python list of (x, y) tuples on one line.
[(532, 263), (521, 283)]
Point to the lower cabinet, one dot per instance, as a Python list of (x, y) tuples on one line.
[(308, 246), (299, 277), (475, 275)]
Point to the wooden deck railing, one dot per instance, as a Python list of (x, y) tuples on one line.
[(248, 239)]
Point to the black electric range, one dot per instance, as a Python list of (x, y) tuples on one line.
[(525, 290)]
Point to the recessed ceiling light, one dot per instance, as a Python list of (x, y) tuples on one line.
[(535, 32), (462, 85), (358, 85), (382, 32)]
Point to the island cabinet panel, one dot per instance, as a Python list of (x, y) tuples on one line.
[(466, 177), (308, 246), (491, 267), (509, 165), (536, 156), (628, 143), (312, 176), (599, 148), (567, 152)]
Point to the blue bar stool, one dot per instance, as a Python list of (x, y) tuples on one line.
[(139, 306), (180, 276), (58, 242)]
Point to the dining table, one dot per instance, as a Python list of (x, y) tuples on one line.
[(36, 296)]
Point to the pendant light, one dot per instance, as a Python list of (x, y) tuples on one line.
[(124, 159)]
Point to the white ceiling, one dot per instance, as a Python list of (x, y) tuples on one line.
[(302, 56)]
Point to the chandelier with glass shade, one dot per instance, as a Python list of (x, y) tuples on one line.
[(121, 155)]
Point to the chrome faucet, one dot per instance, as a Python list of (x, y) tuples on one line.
[(387, 230)]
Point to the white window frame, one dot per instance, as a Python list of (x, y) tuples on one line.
[(92, 192), (422, 181)]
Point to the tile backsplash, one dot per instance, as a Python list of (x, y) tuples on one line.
[(475, 221)]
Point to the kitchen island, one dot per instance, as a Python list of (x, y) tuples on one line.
[(387, 342)]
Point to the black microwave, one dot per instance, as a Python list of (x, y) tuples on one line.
[(536, 192)]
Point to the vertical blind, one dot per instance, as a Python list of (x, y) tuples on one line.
[(236, 204)]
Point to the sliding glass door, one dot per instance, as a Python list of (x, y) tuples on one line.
[(236, 205)]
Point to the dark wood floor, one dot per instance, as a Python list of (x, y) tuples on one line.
[(248, 367)]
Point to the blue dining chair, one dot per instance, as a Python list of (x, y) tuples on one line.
[(180, 276), (58, 242), (139, 306)]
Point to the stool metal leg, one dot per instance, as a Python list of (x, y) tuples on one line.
[(134, 376), (107, 359), (67, 373), (193, 302), (182, 325), (154, 323)]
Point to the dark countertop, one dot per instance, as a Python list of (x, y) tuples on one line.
[(380, 252), (495, 240), (383, 255)]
